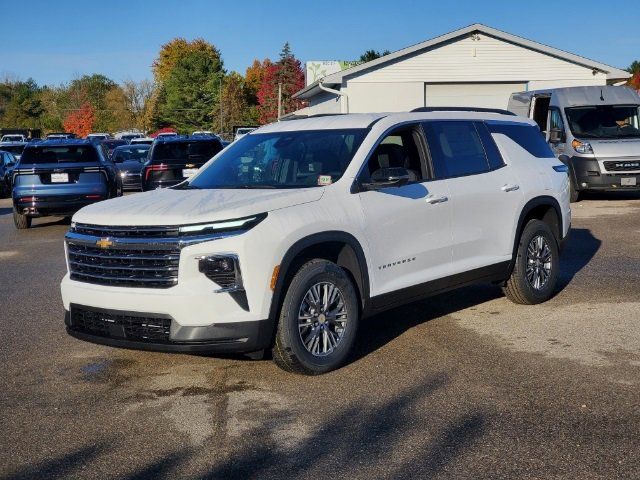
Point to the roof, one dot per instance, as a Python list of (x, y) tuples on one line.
[(61, 142), (613, 73), (592, 95), (186, 138), (366, 120)]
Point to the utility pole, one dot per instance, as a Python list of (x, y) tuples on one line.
[(220, 97), (279, 100)]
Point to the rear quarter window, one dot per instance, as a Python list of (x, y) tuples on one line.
[(527, 136)]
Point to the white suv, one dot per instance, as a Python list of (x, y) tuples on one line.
[(294, 234)]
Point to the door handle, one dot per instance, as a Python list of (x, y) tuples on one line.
[(510, 188), (434, 200)]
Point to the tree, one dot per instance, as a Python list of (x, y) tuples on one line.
[(138, 97), (191, 91), (235, 107), (171, 52), (634, 70), (288, 73), (119, 115), (23, 108), (254, 76), (372, 55), (80, 121)]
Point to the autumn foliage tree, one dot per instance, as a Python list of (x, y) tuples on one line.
[(80, 121), (288, 74)]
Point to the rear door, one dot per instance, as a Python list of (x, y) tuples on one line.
[(484, 195), (408, 227)]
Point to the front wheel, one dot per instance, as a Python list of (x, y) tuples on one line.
[(318, 320), (535, 272)]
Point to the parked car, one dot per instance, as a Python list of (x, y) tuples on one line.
[(595, 131), (141, 141), (167, 135), (13, 138), (58, 177), (98, 137), (242, 131), (7, 162), (129, 160), (203, 133), (171, 160), (293, 234), (15, 148), (109, 145), (60, 135), (128, 136)]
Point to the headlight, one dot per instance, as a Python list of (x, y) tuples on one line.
[(222, 269), (581, 147), (245, 223), (123, 174)]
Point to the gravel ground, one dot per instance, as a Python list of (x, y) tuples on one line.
[(464, 385)]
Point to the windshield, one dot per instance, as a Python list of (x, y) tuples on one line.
[(12, 138), (199, 151), (282, 160), (15, 149), (59, 154), (131, 153), (604, 121)]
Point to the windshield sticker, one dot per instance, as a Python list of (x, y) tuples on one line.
[(324, 180)]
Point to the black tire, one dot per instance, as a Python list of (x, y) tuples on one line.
[(21, 222), (289, 351), (574, 194), (520, 288)]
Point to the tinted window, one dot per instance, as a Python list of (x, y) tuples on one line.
[(123, 154), (200, 151), (282, 160), (525, 135), (455, 148), (15, 149), (59, 154), (604, 121), (490, 147), (556, 122), (398, 149)]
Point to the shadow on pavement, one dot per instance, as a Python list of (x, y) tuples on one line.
[(361, 438), (580, 248), (60, 467), (6, 211)]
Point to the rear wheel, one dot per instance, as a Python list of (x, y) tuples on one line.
[(535, 272), (318, 320), (21, 221)]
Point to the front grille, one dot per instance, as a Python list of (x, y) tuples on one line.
[(622, 165), (140, 232), (124, 267), (115, 324)]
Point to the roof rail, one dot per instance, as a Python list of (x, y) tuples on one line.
[(463, 109), (300, 117)]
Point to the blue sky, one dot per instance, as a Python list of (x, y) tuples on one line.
[(55, 42)]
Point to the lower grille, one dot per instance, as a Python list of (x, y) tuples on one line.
[(622, 165), (115, 324), (124, 267)]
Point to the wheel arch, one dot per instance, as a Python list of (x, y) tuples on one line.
[(544, 208), (339, 247)]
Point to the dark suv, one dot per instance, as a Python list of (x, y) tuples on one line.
[(58, 177), (173, 159)]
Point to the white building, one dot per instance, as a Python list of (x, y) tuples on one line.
[(476, 66)]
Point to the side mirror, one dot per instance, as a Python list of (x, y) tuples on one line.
[(556, 136), (387, 177)]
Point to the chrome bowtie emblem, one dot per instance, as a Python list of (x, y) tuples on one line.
[(104, 243)]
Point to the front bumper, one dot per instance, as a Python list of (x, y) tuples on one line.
[(142, 331), (589, 176)]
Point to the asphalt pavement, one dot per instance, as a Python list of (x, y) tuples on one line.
[(464, 385)]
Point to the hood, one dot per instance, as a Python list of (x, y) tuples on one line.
[(615, 148), (180, 207)]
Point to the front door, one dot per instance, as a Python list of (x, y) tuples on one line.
[(408, 227)]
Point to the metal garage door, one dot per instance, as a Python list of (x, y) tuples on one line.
[(488, 95)]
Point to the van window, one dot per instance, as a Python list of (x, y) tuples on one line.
[(604, 121), (525, 135), (555, 121), (455, 148)]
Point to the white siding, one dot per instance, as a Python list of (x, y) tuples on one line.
[(487, 59), (385, 97), (486, 95), (325, 103)]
